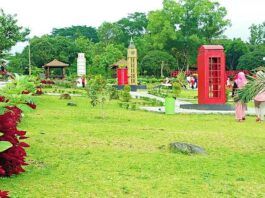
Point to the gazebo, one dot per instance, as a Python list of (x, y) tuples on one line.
[(55, 64)]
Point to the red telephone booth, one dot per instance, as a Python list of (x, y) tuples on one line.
[(122, 75), (211, 74)]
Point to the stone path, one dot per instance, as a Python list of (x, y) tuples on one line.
[(178, 110), (3, 83)]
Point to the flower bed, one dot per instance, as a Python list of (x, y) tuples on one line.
[(4, 194), (12, 159)]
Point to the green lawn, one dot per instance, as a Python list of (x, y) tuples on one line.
[(76, 153)]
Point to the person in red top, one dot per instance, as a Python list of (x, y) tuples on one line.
[(83, 79), (4, 72)]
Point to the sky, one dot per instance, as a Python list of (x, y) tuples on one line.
[(42, 16)]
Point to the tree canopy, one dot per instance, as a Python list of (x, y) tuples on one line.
[(10, 32), (166, 39), (74, 32)]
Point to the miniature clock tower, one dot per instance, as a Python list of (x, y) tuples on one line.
[(132, 64)]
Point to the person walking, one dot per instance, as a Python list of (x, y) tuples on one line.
[(240, 107), (259, 101), (83, 80)]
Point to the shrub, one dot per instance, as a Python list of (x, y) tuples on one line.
[(176, 89), (125, 94), (12, 159), (97, 90), (12, 102), (113, 93), (4, 194)]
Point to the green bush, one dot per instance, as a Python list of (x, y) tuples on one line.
[(125, 94), (176, 89), (113, 93)]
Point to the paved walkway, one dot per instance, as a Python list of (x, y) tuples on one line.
[(178, 110), (3, 83)]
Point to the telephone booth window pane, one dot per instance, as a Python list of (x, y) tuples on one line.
[(214, 77)]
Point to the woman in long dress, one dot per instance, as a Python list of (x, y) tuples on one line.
[(240, 107), (259, 102)]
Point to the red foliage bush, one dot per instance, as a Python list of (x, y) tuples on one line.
[(47, 82), (12, 159), (4, 194), (26, 92), (39, 91), (31, 105)]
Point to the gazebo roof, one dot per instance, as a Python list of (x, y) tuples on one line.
[(56, 63), (121, 62)]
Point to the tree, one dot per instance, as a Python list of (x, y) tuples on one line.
[(77, 31), (234, 49), (257, 34), (133, 26), (181, 26), (110, 33), (161, 25), (18, 64), (104, 56), (157, 62), (252, 59), (46, 48), (10, 32), (97, 90), (84, 45), (204, 18)]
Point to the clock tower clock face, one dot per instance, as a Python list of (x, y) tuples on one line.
[(132, 52)]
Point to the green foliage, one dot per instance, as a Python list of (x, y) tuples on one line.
[(47, 48), (113, 93), (75, 32), (252, 59), (12, 93), (127, 88), (234, 49), (252, 88), (182, 26), (176, 89), (104, 56), (109, 33), (158, 63), (18, 64), (134, 25), (257, 34), (125, 94), (128, 151), (10, 32), (181, 79), (97, 90), (4, 145)]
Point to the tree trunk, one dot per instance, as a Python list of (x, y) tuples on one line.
[(162, 68)]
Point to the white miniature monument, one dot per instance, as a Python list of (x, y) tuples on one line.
[(81, 68)]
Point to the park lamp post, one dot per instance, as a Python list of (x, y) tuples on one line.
[(29, 54)]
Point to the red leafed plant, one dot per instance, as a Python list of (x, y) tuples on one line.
[(4, 194), (12, 103), (12, 159), (39, 91)]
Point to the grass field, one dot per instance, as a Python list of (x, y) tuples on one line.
[(76, 153)]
